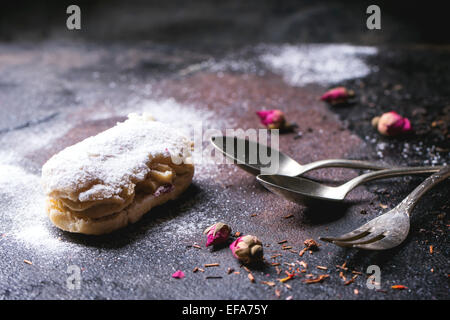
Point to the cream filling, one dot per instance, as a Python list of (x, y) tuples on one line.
[(160, 174)]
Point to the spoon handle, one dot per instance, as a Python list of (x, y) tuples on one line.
[(350, 185), (411, 200), (342, 163)]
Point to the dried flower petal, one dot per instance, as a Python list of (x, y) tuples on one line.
[(277, 293), (392, 124), (337, 95), (316, 280), (178, 274), (272, 119), (289, 277), (269, 283), (247, 249), (399, 287), (217, 233)]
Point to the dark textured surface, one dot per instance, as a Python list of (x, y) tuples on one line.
[(57, 88)]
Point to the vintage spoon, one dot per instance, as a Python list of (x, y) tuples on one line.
[(306, 192), (247, 155)]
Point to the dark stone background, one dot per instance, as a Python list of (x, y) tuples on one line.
[(49, 76)]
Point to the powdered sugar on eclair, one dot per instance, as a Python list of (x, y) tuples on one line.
[(108, 165)]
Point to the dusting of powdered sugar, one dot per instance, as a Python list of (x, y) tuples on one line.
[(178, 115), (317, 63), (114, 159), (299, 65), (17, 145), (23, 210)]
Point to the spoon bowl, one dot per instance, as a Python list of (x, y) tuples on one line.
[(255, 157), (300, 190)]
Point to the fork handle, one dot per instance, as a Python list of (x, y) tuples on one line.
[(411, 200), (387, 173)]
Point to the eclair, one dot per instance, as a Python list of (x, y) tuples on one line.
[(110, 180)]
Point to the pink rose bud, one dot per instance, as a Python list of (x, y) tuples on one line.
[(272, 119), (247, 249), (217, 233), (392, 124), (178, 274), (337, 95)]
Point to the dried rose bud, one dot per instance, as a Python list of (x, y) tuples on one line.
[(311, 244), (375, 121), (392, 124), (337, 95), (272, 119), (178, 274), (247, 249), (217, 233)]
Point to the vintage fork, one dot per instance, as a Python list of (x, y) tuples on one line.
[(392, 227)]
